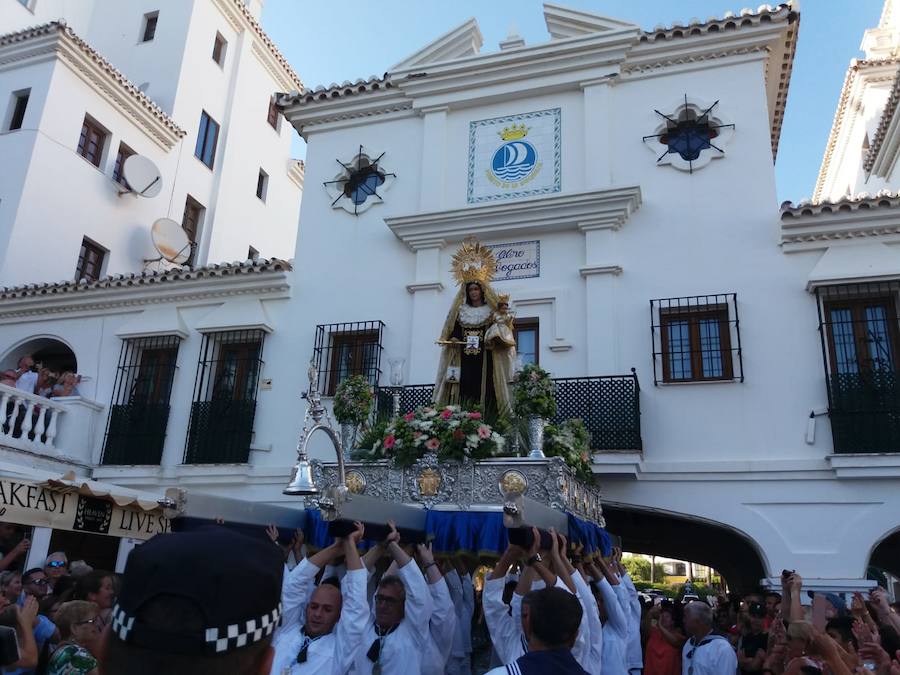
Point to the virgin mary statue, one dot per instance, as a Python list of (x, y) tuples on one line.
[(473, 370)]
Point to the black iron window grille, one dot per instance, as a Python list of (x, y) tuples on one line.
[(860, 340), (224, 406), (609, 406), (696, 339), (139, 409), (345, 349), (360, 180), (689, 132)]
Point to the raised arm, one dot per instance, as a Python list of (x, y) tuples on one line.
[(561, 563), (501, 625), (418, 606), (355, 609), (299, 584)]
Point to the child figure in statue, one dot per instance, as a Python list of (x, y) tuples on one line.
[(499, 334)]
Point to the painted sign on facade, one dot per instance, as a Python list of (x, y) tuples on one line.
[(26, 503), (514, 156), (517, 260)]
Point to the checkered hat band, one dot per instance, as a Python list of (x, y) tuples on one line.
[(219, 639)]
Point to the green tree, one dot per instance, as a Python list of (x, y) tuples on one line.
[(639, 569)]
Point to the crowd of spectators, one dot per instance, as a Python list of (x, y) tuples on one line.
[(35, 378), (214, 600)]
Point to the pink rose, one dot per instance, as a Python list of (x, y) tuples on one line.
[(474, 415), (484, 431), (432, 444), (389, 442), (416, 434), (410, 416), (446, 414)]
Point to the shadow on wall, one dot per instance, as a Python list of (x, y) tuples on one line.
[(684, 538)]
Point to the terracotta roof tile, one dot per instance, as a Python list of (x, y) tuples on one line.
[(862, 201), (124, 82), (147, 278)]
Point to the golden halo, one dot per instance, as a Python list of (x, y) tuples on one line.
[(473, 262)]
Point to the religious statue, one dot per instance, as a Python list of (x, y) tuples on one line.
[(477, 344)]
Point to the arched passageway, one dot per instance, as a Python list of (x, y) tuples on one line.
[(684, 538), (47, 352), (886, 554)]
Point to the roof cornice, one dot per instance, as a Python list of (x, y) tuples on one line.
[(882, 154), (57, 41), (598, 209), (859, 72), (268, 277), (814, 226), (271, 57)]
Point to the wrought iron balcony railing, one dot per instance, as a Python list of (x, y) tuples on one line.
[(609, 405), (865, 412)]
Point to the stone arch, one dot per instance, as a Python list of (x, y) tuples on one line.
[(51, 350), (885, 553), (685, 537)]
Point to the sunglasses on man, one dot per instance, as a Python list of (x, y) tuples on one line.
[(56, 563)]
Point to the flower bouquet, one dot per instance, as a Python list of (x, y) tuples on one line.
[(534, 394), (450, 432), (572, 441), (353, 400)]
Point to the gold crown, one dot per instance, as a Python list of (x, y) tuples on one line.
[(504, 298), (514, 132), (473, 262)]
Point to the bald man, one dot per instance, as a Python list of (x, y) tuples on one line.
[(322, 625)]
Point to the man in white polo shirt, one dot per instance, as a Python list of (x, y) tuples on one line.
[(705, 653)]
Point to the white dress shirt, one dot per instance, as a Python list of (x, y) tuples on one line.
[(27, 382), (463, 594), (590, 622), (615, 631), (634, 656), (504, 629), (441, 629), (330, 654), (713, 655), (402, 649)]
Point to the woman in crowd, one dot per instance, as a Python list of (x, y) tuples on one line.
[(97, 587), (664, 642), (10, 586), (67, 384), (80, 632)]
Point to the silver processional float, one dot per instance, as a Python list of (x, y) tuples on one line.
[(533, 490)]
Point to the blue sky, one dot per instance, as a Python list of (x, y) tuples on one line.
[(335, 41)]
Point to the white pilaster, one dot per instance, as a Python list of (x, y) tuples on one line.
[(434, 150)]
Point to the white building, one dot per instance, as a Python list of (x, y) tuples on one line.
[(641, 239), (187, 85)]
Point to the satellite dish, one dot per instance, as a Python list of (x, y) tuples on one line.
[(171, 241), (142, 176)]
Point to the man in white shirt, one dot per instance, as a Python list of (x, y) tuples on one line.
[(705, 653), (394, 642), (322, 626), (26, 375), (613, 617), (462, 593), (442, 625)]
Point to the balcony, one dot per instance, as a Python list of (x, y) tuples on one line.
[(865, 412), (609, 405), (59, 428)]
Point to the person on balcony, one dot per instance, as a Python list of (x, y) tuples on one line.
[(26, 374), (395, 641), (470, 370)]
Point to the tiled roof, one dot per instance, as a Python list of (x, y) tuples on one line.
[(863, 201), (262, 35), (67, 33), (856, 65), (729, 21), (332, 91), (147, 278), (886, 116)]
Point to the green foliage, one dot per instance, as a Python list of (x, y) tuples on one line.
[(668, 591), (534, 394), (572, 441), (370, 436), (452, 433), (639, 568), (353, 400)]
